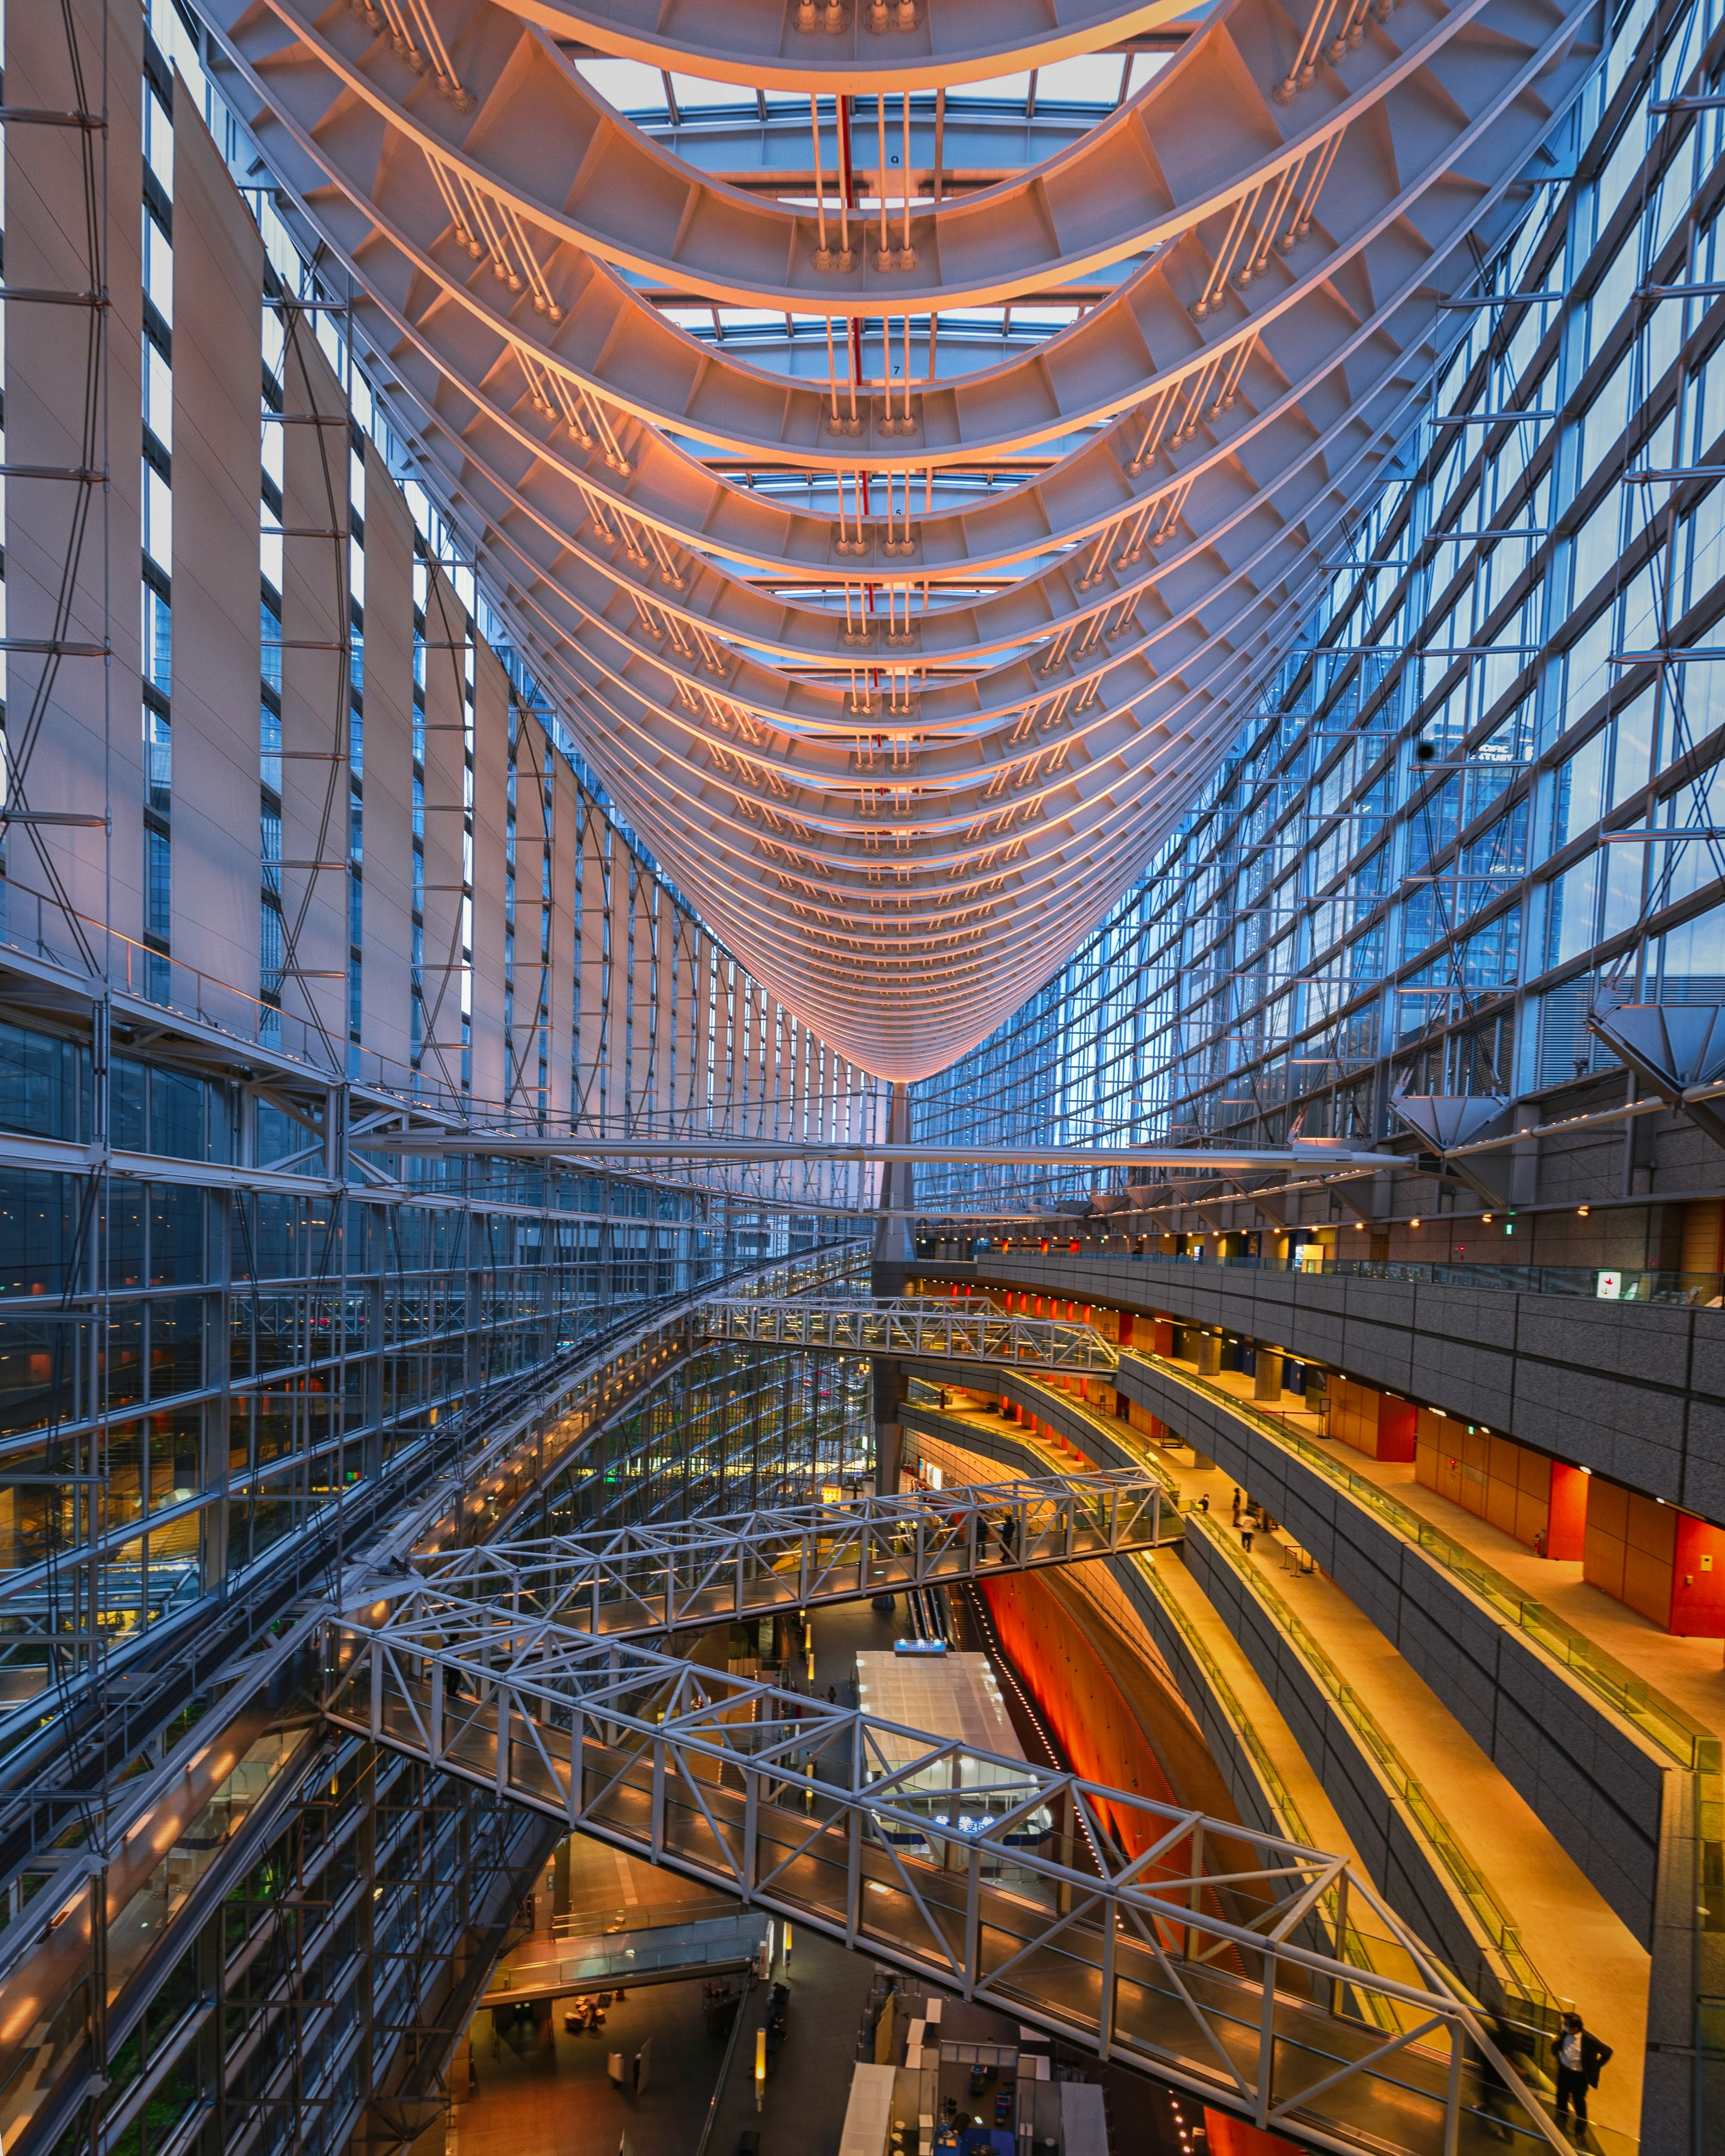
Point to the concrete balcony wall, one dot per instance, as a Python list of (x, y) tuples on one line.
[(1597, 1784), (1632, 1390), (1393, 1851), (1048, 1406)]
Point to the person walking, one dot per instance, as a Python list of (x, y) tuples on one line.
[(1579, 2057), (1236, 1508)]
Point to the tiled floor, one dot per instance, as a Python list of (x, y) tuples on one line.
[(545, 2093)]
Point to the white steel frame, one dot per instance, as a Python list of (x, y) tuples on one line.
[(1268, 1978), (614, 1582), (1002, 766), (921, 1329)]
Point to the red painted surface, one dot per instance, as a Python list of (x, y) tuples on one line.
[(1234, 2137), (1398, 1428), (1698, 1580), (1126, 1328), (1565, 1532), (1078, 1697)]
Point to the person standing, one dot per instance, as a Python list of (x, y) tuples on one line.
[(1579, 2056)]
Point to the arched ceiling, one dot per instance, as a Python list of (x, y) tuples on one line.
[(899, 485)]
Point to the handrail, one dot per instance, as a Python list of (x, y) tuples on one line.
[(1668, 1286), (1434, 1830), (708, 2123), (601, 1922), (1350, 1941), (1487, 1911), (617, 1582), (1147, 1462), (1268, 1773), (1660, 1720), (841, 1821), (919, 1329)]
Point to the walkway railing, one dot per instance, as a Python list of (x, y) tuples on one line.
[(1593, 1283), (911, 1329), (1661, 1721), (1519, 1978), (1199, 1951), (618, 1581), (1522, 1978)]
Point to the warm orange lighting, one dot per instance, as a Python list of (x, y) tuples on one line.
[(17, 2021), (1583, 1210), (1414, 1223)]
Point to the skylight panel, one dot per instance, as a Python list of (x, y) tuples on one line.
[(1091, 78), (999, 89), (629, 85), (693, 94)]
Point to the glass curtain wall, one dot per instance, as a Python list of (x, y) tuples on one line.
[(1478, 793), (729, 1431)]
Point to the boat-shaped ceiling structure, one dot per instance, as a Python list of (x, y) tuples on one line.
[(903, 493)]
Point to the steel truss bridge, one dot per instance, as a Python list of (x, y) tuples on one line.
[(925, 1329), (1264, 1976), (626, 1581), (614, 1582)]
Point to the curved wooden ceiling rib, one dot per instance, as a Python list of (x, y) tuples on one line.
[(903, 857)]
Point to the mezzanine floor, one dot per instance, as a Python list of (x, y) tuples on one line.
[(1579, 1945)]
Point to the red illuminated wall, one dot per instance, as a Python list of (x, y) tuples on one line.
[(1081, 1703), (1566, 1533), (1229, 2136), (1698, 1580)]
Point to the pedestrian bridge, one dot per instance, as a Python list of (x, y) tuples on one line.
[(914, 1328), (613, 1582), (1266, 1977)]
